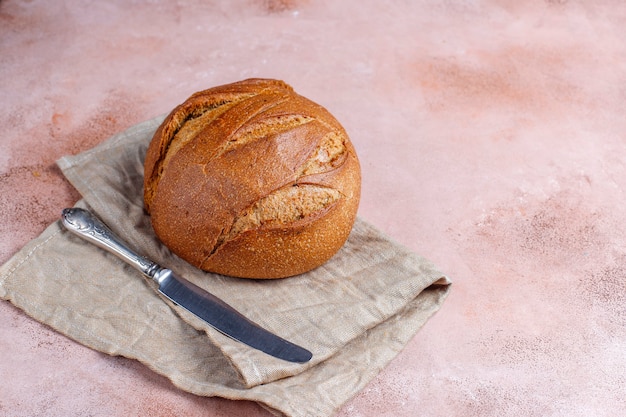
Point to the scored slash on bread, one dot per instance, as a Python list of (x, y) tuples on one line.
[(252, 180)]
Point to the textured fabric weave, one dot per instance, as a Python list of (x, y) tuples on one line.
[(355, 313)]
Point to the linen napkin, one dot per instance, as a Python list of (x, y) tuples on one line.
[(355, 313)]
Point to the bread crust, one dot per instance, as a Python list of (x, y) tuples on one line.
[(220, 174)]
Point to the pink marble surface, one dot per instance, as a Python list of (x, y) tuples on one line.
[(492, 136)]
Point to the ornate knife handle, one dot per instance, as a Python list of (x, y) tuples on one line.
[(89, 227)]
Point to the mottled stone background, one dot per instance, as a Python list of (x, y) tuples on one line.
[(492, 137)]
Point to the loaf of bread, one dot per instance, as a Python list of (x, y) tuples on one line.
[(252, 180)]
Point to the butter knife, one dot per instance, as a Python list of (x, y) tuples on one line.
[(209, 308)]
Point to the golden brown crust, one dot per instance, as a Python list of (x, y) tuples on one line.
[(219, 178)]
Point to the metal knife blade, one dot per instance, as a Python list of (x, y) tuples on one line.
[(206, 306)]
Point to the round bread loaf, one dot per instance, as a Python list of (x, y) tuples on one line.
[(252, 180)]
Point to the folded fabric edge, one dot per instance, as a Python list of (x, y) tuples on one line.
[(290, 397), (406, 323)]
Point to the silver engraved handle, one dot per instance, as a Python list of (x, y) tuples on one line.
[(89, 227)]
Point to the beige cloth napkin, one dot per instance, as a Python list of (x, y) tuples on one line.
[(355, 313)]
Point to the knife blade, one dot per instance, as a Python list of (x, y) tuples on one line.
[(206, 306)]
